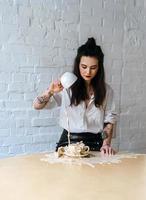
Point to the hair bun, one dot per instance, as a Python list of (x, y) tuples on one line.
[(91, 43)]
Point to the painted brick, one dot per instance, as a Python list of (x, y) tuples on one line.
[(2, 105), (5, 123), (16, 105), (4, 150), (21, 87), (16, 96), (19, 140), (23, 123), (18, 77), (3, 87), (5, 77), (32, 131), (16, 149), (43, 122), (4, 132)]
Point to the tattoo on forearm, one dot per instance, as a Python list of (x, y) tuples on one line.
[(42, 99)]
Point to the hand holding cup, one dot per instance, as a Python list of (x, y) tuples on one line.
[(55, 87)]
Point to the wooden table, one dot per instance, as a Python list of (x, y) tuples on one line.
[(28, 178)]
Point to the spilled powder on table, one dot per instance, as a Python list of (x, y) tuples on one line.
[(93, 159)]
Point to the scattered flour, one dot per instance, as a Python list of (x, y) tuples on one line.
[(93, 159)]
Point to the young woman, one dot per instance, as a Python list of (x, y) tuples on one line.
[(87, 108)]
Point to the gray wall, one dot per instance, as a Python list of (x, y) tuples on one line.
[(38, 42)]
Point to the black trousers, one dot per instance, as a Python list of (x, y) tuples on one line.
[(94, 141)]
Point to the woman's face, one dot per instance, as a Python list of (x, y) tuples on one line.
[(88, 68)]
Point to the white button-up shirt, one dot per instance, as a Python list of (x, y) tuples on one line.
[(84, 118)]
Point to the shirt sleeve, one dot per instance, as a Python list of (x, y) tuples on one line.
[(110, 115)]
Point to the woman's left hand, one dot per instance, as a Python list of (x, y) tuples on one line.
[(106, 149)]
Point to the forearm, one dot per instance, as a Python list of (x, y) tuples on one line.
[(109, 133), (41, 100)]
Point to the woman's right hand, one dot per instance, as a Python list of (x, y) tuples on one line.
[(41, 100), (55, 87)]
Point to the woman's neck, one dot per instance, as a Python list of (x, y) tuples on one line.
[(87, 83), (89, 88)]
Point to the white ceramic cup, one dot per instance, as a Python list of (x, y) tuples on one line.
[(68, 79), (76, 149)]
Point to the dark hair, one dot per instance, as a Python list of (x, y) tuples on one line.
[(79, 92)]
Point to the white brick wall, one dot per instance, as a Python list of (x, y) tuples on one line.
[(38, 41)]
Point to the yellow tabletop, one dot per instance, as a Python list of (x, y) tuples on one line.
[(28, 178)]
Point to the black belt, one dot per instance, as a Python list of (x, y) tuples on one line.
[(94, 141)]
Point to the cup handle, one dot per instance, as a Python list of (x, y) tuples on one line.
[(87, 149)]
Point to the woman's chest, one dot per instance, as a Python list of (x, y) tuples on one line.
[(84, 110)]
